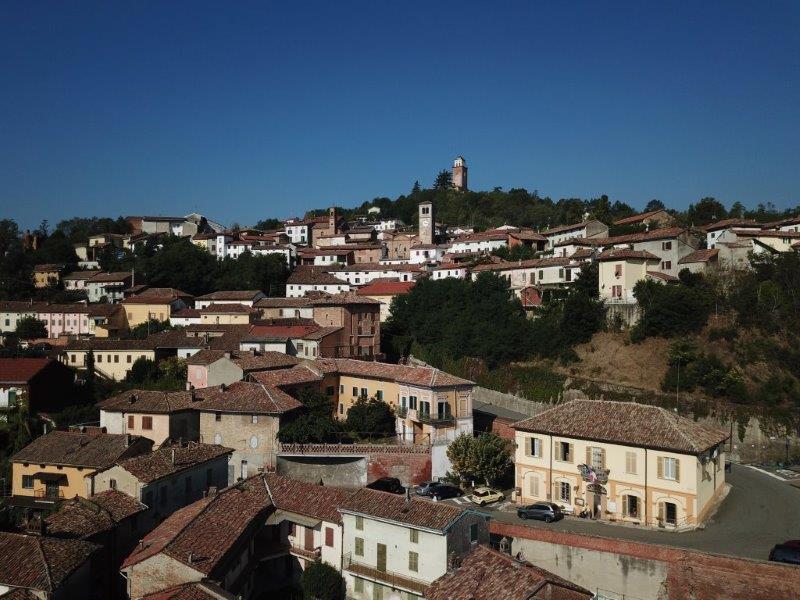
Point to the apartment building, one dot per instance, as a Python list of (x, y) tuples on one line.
[(395, 546), (620, 461), (620, 271), (584, 230), (154, 303), (313, 279), (108, 287), (242, 297), (47, 275)]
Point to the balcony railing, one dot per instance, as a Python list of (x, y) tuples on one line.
[(445, 418), (309, 553), (396, 580), (44, 495)]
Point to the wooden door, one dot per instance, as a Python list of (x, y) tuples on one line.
[(381, 558)]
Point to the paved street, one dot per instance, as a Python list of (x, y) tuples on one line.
[(759, 512)]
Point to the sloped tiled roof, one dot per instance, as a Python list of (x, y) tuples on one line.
[(150, 401), (93, 450), (312, 500), (21, 370), (626, 254), (308, 275), (413, 375), (626, 423), (116, 277), (85, 517), (297, 375), (247, 397), (486, 574), (169, 460), (196, 590), (231, 295), (704, 255), (386, 288), (638, 218), (345, 298), (228, 309), (415, 512), (663, 276), (40, 563), (203, 534), (264, 361), (563, 228)]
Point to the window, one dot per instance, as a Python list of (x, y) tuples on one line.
[(666, 265), (413, 561), (355, 391), (218, 417), (533, 486), (329, 537), (341, 408), (147, 423), (359, 547), (363, 392), (360, 523), (116, 358), (668, 468), (254, 419), (541, 274), (618, 270), (329, 390), (596, 457), (473, 532), (27, 482), (666, 245), (131, 422), (630, 463), (412, 402), (630, 507), (99, 358), (564, 451), (413, 536), (341, 389), (128, 359), (112, 483), (379, 394), (358, 584), (533, 447), (564, 490)]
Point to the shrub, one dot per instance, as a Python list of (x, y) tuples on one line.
[(320, 581)]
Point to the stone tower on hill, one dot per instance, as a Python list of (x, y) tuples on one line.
[(427, 224), (460, 174)]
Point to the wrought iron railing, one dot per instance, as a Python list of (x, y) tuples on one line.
[(396, 580)]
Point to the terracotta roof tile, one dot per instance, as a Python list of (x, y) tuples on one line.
[(626, 254), (386, 288), (150, 401), (168, 460), (416, 512), (191, 591), (626, 423), (413, 375), (247, 397), (486, 574), (94, 450), (21, 370), (308, 499), (309, 275), (231, 295), (638, 218), (85, 517), (228, 309)]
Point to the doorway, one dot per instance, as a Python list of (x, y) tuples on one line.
[(381, 566)]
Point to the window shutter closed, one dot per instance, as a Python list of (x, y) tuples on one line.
[(534, 486), (677, 470), (660, 469), (588, 456), (602, 458), (570, 452), (529, 446)]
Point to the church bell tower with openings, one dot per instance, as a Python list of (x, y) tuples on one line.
[(427, 225), (460, 174)]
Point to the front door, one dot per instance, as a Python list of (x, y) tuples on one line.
[(597, 501), (382, 557)]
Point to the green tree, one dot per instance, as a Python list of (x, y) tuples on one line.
[(707, 210), (268, 224), (492, 457), (461, 453), (31, 328), (316, 424), (371, 417), (417, 188), (143, 371), (444, 181), (670, 310), (320, 581)]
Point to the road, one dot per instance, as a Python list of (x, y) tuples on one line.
[(759, 512)]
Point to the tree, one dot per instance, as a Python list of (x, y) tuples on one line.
[(317, 424), (707, 210), (268, 224), (462, 456), (444, 181), (31, 328), (417, 188), (143, 371), (486, 458), (654, 205), (320, 581), (670, 310), (142, 330), (371, 417)]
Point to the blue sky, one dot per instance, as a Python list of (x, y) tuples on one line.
[(248, 110)]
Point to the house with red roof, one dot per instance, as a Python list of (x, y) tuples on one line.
[(384, 291), (37, 383)]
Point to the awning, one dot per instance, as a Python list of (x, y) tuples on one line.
[(45, 476), (284, 515)]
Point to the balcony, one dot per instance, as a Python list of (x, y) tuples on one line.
[(395, 580), (307, 553), (44, 495), (445, 418)]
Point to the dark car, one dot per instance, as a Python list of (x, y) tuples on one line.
[(444, 491), (388, 484), (428, 487), (542, 511), (787, 552)]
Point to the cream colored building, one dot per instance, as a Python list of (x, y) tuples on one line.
[(113, 359), (621, 461), (620, 270)]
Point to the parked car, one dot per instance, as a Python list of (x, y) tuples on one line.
[(484, 495), (444, 491), (787, 552), (388, 484), (542, 511), (427, 488)]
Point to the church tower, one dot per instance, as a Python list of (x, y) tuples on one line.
[(427, 224), (460, 174)]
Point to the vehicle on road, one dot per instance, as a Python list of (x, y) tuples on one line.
[(388, 484), (787, 552), (444, 492), (484, 495), (541, 511), (428, 487)]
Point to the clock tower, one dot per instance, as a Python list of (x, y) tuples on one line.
[(427, 225), (460, 174)]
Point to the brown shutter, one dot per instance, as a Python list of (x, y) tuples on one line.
[(602, 458), (677, 469), (660, 469), (588, 456)]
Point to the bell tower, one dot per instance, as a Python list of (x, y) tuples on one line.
[(427, 224), (460, 174)]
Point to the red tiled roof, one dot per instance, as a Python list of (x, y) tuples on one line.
[(626, 423), (638, 218), (286, 377), (168, 460), (150, 401), (730, 223), (93, 450), (626, 254), (394, 507), (231, 295), (258, 332), (312, 500), (663, 276), (117, 277), (85, 517), (562, 228), (343, 299), (704, 255), (228, 309), (263, 361), (247, 397), (203, 534), (186, 313), (386, 288), (534, 263), (486, 574), (310, 275), (40, 563), (21, 370), (418, 376)]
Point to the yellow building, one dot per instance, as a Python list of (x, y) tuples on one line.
[(47, 275), (620, 461), (113, 359), (154, 303), (227, 314), (55, 466)]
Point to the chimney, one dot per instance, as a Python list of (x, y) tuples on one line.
[(504, 546), (223, 387), (408, 495)]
